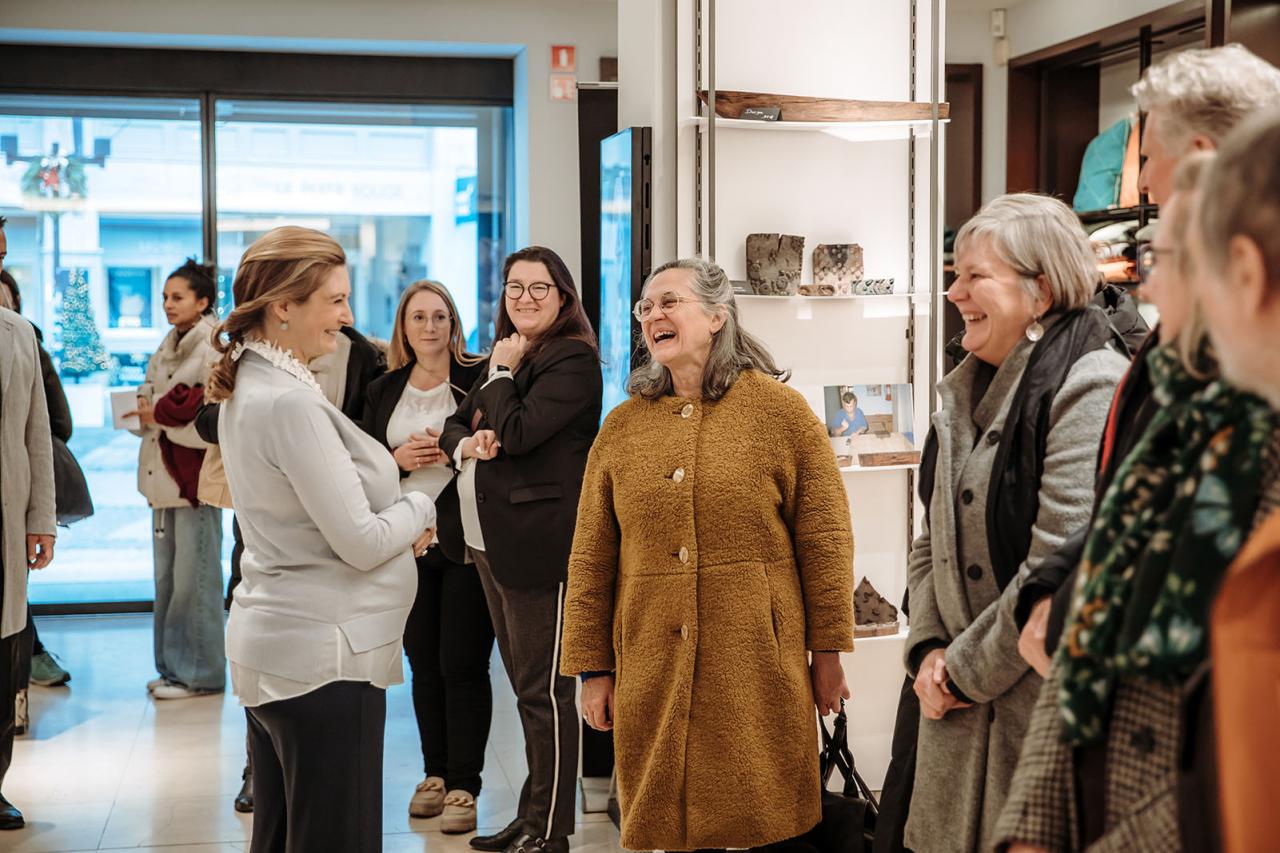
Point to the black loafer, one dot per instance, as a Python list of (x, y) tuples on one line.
[(10, 817), (244, 799), (501, 840)]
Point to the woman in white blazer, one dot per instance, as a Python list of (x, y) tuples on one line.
[(186, 534), (314, 635)]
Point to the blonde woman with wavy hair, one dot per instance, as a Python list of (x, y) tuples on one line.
[(314, 635), (449, 635)]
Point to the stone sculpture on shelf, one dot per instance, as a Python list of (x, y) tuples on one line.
[(836, 268), (773, 263), (873, 287), (873, 616)]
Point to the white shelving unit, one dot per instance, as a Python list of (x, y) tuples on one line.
[(875, 183)]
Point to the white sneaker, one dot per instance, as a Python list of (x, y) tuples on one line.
[(21, 714), (178, 691), (428, 798), (459, 813), (156, 682)]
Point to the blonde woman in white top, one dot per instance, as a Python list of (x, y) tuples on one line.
[(328, 569), (449, 636)]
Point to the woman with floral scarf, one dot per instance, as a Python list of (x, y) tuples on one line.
[(1099, 766)]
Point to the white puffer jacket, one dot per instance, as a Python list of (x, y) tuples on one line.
[(186, 361)]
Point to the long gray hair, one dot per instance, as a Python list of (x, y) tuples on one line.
[(733, 349)]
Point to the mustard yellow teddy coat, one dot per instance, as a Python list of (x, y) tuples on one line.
[(713, 548)]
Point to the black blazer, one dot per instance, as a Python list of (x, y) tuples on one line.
[(546, 417), (380, 402)]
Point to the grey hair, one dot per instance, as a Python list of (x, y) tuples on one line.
[(733, 349), (1038, 236), (1192, 341), (1206, 91)]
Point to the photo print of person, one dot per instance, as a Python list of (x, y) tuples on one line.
[(871, 425)]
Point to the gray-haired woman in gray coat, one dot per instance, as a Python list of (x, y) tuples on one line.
[(1008, 472)]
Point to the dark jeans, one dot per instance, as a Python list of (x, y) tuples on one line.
[(527, 624), (449, 640), (317, 770)]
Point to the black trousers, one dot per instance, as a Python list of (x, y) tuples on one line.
[(449, 640), (527, 624), (317, 770), (15, 669), (900, 778)]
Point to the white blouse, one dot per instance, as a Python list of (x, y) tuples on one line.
[(471, 532), (329, 576), (418, 411)]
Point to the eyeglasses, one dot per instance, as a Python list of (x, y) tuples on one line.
[(1149, 256), (537, 291), (667, 302)]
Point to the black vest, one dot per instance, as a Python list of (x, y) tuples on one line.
[(1013, 497)]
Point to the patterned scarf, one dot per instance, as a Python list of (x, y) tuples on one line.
[(1172, 520)]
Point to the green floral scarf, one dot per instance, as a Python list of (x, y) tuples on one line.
[(1179, 508)]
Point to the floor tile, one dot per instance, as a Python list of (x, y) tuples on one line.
[(106, 767)]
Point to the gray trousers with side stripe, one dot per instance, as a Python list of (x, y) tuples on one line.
[(527, 624)]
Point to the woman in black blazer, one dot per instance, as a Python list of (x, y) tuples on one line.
[(448, 637), (520, 442)]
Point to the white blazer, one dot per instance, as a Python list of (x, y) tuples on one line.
[(329, 574)]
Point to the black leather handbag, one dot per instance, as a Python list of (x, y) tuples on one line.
[(70, 488), (848, 822)]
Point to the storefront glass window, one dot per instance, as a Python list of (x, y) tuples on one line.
[(104, 197)]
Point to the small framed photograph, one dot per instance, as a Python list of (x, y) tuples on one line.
[(871, 425)]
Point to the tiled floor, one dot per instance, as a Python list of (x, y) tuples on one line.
[(104, 767)]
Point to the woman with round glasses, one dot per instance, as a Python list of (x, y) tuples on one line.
[(711, 581), (519, 441)]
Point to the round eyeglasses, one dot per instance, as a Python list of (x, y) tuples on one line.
[(537, 291), (667, 302)]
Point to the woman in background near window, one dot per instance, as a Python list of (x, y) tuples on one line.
[(187, 540), (449, 636)]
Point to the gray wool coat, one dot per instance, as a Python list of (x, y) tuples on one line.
[(26, 463), (965, 762)]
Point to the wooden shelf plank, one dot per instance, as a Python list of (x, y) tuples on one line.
[(800, 108)]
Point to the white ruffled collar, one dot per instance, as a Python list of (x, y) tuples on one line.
[(282, 359)]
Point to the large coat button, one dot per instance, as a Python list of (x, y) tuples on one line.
[(687, 411), (966, 497), (684, 555), (974, 572), (993, 438), (684, 632), (678, 475)]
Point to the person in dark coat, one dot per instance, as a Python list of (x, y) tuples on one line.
[(520, 441)]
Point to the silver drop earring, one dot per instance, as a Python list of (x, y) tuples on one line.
[(1035, 331), (284, 327)]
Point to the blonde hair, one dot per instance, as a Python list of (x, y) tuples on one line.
[(286, 264), (1038, 236), (1206, 91), (1240, 195), (400, 353)]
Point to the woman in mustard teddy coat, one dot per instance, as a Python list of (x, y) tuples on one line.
[(713, 553)]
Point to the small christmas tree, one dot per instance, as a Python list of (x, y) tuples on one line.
[(82, 350)]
